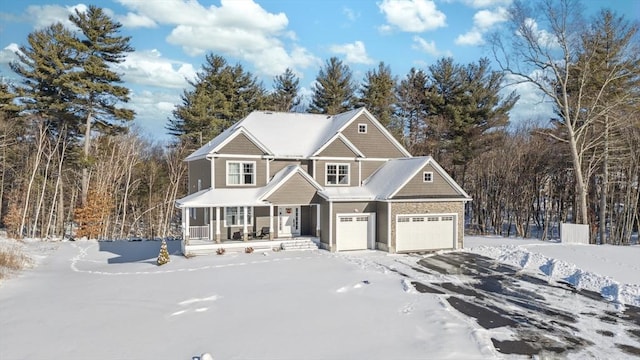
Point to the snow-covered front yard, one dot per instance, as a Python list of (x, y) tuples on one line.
[(108, 300)]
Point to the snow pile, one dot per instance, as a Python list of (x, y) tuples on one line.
[(562, 271)]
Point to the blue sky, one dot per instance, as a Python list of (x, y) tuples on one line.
[(171, 38)]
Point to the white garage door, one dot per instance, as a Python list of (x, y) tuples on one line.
[(354, 231), (425, 232)]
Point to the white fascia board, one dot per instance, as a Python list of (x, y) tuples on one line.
[(238, 131), (426, 200), (335, 137), (406, 181), (448, 178), (378, 125)]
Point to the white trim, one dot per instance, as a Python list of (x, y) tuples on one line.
[(344, 139), (448, 178), (427, 200), (326, 165), (212, 161), (389, 207), (245, 216), (364, 126), (217, 221), (334, 158), (238, 131), (378, 125), (424, 176), (299, 170), (236, 156), (254, 175), (331, 226), (359, 173)]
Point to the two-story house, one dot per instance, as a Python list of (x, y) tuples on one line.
[(342, 180)]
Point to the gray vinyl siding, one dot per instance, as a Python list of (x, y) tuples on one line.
[(324, 226), (199, 169), (369, 167), (382, 226), (338, 148), (349, 208), (321, 171), (277, 165), (416, 187), (296, 191), (221, 171), (373, 144), (241, 145)]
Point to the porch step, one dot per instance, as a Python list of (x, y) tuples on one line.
[(302, 244)]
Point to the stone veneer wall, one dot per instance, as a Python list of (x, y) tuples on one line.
[(401, 208)]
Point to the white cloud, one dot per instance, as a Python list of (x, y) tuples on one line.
[(487, 3), (354, 53), (153, 108), (483, 21), (8, 54), (240, 29), (132, 20), (412, 15), (532, 105), (150, 68), (428, 47), (45, 15), (473, 37), (350, 14), (542, 37)]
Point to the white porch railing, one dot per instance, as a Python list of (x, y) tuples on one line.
[(199, 232)]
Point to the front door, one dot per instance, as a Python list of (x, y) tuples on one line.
[(288, 221)]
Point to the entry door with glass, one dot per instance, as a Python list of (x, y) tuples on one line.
[(288, 221)]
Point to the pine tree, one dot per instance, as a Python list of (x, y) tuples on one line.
[(411, 110), (163, 257), (285, 96), (94, 84), (221, 95), (334, 91), (377, 94)]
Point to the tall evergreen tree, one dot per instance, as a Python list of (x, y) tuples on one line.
[(43, 66), (411, 110), (95, 85), (222, 94), (284, 97), (334, 90), (377, 93), (467, 99)]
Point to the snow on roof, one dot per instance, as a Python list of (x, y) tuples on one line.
[(347, 193), (222, 197), (285, 134), (393, 175)]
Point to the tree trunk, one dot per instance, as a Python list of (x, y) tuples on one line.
[(85, 167)]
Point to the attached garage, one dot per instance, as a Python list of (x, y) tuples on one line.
[(417, 232), (355, 231)]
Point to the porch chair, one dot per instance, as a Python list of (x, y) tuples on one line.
[(237, 235), (263, 232)]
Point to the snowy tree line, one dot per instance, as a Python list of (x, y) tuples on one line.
[(67, 157)]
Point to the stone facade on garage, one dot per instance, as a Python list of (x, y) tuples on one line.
[(403, 208)]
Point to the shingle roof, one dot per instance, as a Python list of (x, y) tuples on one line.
[(297, 135)]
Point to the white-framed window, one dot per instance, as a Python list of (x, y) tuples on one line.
[(199, 184), (337, 174), (193, 212), (362, 128), (234, 216), (241, 172), (427, 176)]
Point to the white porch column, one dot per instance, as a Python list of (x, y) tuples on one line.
[(270, 221), (211, 237), (317, 220), (185, 224), (245, 234), (217, 224)]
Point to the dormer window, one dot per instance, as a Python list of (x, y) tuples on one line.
[(427, 176), (362, 128), (241, 172)]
